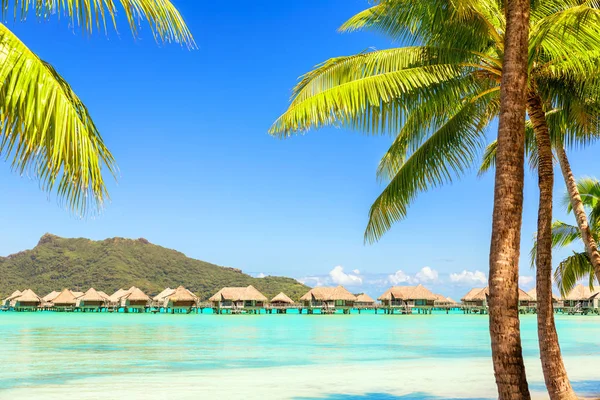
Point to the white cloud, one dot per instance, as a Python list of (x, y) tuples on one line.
[(313, 281), (525, 280), (399, 277), (339, 277), (469, 278), (357, 272), (427, 274), (261, 275)]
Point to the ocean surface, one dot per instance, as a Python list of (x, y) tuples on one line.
[(396, 357)]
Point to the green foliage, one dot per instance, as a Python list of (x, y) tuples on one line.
[(107, 265), (437, 98), (577, 266), (46, 131)]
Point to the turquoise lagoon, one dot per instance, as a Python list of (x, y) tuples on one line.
[(111, 356)]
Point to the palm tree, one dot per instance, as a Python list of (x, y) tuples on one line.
[(439, 97), (47, 132), (505, 334), (577, 266)]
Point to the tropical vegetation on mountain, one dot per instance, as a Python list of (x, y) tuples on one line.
[(577, 266), (47, 132), (437, 98), (107, 265)]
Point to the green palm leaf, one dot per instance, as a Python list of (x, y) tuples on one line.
[(571, 270), (447, 153), (46, 130), (164, 20)]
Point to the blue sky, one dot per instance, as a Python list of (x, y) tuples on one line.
[(200, 174)]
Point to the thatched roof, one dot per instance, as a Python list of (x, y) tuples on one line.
[(92, 295), (440, 297), (524, 296), (50, 296), (328, 293), (249, 293), (470, 296), (101, 293), (14, 295), (364, 298), (481, 294), (65, 297), (282, 298), (418, 292), (116, 296), (135, 294), (161, 296), (77, 294), (182, 294), (450, 300), (28, 296), (533, 294), (581, 292)]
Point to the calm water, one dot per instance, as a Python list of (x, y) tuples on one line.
[(52, 355)]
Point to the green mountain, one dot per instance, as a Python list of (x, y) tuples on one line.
[(107, 265)]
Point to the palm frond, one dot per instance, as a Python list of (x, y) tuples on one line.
[(571, 270), (47, 131), (164, 20), (466, 24), (564, 234), (345, 102), (448, 152)]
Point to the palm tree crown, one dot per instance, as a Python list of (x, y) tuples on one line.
[(438, 96)]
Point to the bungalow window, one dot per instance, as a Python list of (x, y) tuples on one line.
[(340, 303)]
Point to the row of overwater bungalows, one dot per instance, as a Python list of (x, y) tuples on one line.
[(227, 300), (402, 299), (580, 300)]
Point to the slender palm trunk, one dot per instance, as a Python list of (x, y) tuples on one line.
[(582, 221), (505, 331), (555, 374)]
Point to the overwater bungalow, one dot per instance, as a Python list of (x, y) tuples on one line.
[(407, 298), (50, 296), (134, 300), (47, 300), (444, 303), (328, 299), (27, 301), (66, 300), (158, 300), (475, 298), (238, 299), (92, 300), (180, 299), (281, 303), (556, 302), (476, 301), (363, 300), (8, 303), (582, 300), (115, 298)]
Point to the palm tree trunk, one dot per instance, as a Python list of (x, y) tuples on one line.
[(555, 374), (582, 221), (505, 331)]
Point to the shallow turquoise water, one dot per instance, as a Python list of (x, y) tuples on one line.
[(44, 353)]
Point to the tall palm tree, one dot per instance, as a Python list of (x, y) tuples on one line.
[(577, 266), (438, 98), (46, 131), (505, 333)]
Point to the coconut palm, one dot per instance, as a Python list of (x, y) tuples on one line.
[(577, 266), (438, 98), (47, 132)]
